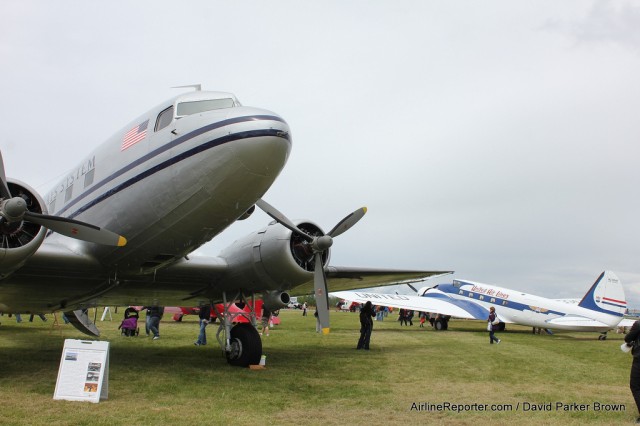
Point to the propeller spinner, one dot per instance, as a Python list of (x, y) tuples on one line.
[(317, 245)]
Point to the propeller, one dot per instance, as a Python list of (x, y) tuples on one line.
[(14, 210), (317, 245)]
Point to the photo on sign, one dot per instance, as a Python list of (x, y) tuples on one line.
[(71, 356), (92, 377), (95, 366), (91, 387)]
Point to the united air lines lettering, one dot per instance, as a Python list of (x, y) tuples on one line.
[(382, 296), (85, 170), (489, 292)]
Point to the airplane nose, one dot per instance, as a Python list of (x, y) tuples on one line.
[(265, 141)]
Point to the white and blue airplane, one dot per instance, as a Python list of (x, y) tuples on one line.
[(601, 309), (138, 204)]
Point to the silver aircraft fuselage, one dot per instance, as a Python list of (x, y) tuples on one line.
[(225, 159), (168, 193)]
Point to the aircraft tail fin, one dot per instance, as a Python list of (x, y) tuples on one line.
[(606, 295)]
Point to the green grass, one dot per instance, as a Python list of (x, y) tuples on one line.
[(318, 379)]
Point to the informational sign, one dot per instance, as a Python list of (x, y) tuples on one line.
[(84, 371)]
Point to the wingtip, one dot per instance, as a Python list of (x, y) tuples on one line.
[(325, 331), (122, 241)]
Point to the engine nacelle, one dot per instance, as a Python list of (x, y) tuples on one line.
[(274, 258), (20, 240), (275, 300)]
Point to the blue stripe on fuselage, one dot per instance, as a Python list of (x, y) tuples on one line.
[(474, 309), (174, 160)]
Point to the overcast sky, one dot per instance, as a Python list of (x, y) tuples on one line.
[(499, 139)]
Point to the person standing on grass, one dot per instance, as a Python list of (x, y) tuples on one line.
[(492, 323), (266, 318), (634, 381), (155, 313), (366, 325), (205, 317), (318, 326)]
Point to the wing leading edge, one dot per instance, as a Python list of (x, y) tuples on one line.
[(348, 278), (417, 303)]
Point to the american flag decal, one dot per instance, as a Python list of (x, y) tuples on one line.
[(134, 135)]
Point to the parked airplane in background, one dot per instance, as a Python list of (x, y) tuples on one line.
[(170, 181), (601, 309)]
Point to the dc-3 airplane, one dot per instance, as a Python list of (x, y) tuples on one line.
[(601, 309), (169, 182)]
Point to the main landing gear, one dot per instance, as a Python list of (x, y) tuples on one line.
[(241, 342), (602, 336)]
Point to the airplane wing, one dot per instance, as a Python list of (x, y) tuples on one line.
[(179, 283), (453, 307), (73, 278), (349, 278), (54, 265)]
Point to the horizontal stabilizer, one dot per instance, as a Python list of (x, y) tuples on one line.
[(627, 322), (575, 321)]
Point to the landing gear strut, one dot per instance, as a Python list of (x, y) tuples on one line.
[(602, 336), (241, 343)]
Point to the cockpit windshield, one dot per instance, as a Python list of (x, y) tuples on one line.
[(195, 107)]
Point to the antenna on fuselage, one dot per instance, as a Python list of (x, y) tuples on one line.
[(197, 87)]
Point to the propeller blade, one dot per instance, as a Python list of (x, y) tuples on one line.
[(76, 229), (321, 292), (4, 188), (280, 218), (347, 222)]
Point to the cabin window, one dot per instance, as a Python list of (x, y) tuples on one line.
[(195, 107), (481, 297), (88, 178), (493, 300), (164, 118), (471, 295), (68, 193)]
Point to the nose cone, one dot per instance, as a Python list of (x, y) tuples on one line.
[(265, 141)]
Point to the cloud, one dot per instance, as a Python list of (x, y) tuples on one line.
[(606, 22)]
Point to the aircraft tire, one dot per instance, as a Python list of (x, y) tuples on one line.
[(246, 346), (439, 325)]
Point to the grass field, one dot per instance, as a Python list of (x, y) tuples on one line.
[(314, 379)]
